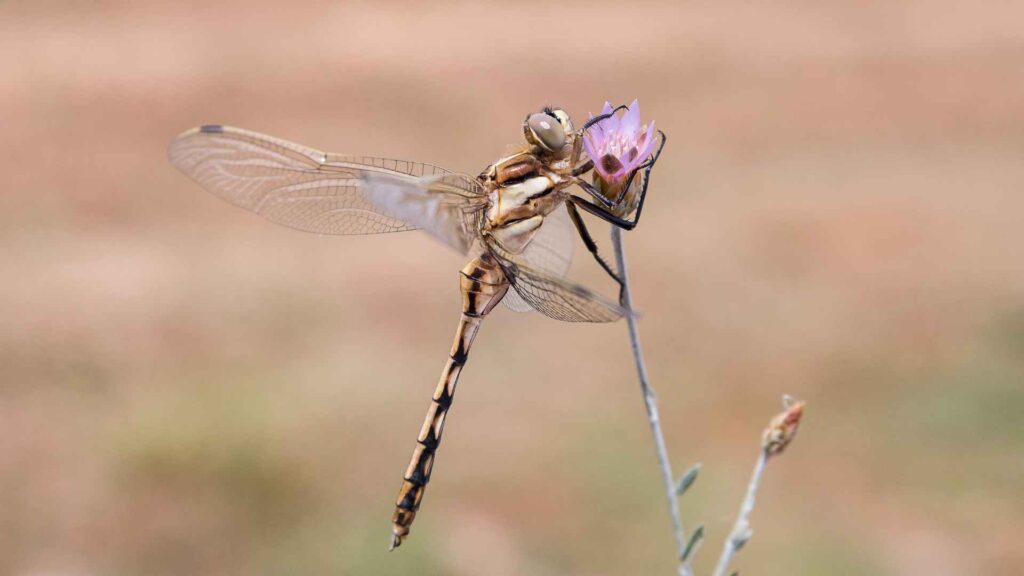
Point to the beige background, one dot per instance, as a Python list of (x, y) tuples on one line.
[(186, 389)]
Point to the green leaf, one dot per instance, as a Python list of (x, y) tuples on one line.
[(688, 479), (694, 543)]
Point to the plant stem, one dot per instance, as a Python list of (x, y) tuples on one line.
[(650, 401), (741, 529)]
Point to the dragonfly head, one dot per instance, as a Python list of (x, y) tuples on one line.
[(549, 129)]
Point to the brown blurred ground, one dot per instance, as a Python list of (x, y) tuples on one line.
[(187, 389)]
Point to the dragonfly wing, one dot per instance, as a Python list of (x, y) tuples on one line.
[(556, 297), (428, 203), (314, 191), (550, 251), (514, 302)]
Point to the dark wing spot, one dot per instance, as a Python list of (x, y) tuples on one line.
[(211, 129)]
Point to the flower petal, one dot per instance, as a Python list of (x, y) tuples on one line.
[(598, 133), (589, 147), (610, 126), (631, 160), (631, 120), (648, 144)]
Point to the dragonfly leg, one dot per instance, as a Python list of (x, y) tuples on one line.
[(483, 285), (588, 241), (583, 168), (590, 189), (602, 213), (602, 117)]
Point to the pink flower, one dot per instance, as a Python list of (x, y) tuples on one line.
[(619, 145)]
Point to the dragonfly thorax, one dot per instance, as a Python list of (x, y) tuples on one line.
[(526, 186), (523, 191)]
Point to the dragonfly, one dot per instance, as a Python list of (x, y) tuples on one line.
[(515, 222)]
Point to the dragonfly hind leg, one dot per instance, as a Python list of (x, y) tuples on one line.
[(588, 241), (483, 285)]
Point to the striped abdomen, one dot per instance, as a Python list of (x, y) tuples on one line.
[(483, 286)]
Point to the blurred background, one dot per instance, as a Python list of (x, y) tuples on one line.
[(188, 389)]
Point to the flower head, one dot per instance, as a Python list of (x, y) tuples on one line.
[(619, 145)]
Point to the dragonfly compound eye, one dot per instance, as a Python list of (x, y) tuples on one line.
[(563, 119), (545, 131)]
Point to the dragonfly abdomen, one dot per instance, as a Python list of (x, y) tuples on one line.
[(483, 285)]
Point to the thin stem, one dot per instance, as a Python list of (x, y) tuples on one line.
[(650, 401), (741, 529)]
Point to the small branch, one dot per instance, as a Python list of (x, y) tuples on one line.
[(741, 531), (780, 432), (650, 401)]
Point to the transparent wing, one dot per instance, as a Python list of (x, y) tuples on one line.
[(556, 297), (314, 191), (514, 302), (550, 251), (431, 203)]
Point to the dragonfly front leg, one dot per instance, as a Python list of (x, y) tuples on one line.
[(483, 285)]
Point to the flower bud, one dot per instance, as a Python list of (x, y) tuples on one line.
[(782, 429)]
